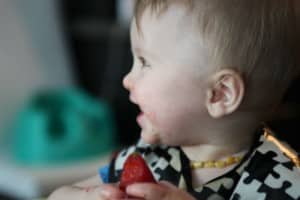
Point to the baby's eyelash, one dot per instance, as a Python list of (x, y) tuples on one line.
[(143, 62)]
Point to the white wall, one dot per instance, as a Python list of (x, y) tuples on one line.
[(32, 54)]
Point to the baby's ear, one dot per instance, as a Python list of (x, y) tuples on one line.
[(225, 93)]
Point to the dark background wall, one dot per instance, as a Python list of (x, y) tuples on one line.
[(101, 57)]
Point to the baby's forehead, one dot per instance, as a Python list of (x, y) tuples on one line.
[(175, 21), (175, 31)]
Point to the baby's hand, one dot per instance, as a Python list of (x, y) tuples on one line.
[(160, 191), (111, 191), (99, 192)]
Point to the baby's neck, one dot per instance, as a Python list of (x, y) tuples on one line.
[(204, 152), (230, 136), (209, 152), (221, 144), (231, 146)]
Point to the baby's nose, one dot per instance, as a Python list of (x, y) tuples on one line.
[(127, 82)]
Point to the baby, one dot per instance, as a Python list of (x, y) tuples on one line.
[(206, 75)]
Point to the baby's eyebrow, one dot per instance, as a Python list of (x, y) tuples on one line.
[(137, 50), (141, 51)]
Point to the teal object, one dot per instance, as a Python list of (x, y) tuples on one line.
[(63, 126)]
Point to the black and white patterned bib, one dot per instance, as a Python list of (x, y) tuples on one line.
[(264, 173)]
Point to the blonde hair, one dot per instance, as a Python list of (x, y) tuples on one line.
[(258, 38)]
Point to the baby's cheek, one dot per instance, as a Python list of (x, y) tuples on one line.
[(174, 121), (165, 122)]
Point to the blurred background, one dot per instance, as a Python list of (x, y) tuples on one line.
[(63, 110)]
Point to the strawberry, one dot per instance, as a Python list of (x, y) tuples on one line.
[(135, 170)]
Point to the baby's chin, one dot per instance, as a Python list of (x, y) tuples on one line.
[(150, 137)]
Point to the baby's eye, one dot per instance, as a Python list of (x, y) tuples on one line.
[(143, 62)]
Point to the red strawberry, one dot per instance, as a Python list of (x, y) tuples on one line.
[(135, 170)]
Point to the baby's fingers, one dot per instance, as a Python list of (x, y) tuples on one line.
[(147, 191), (161, 191), (109, 191)]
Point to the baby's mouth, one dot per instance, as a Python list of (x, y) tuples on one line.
[(140, 115)]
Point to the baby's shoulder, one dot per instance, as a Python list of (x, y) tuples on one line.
[(270, 173)]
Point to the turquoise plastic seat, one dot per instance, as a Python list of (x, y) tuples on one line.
[(63, 126)]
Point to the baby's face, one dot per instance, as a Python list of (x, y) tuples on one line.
[(168, 79)]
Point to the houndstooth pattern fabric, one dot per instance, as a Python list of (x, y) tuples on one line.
[(264, 173), (269, 175)]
